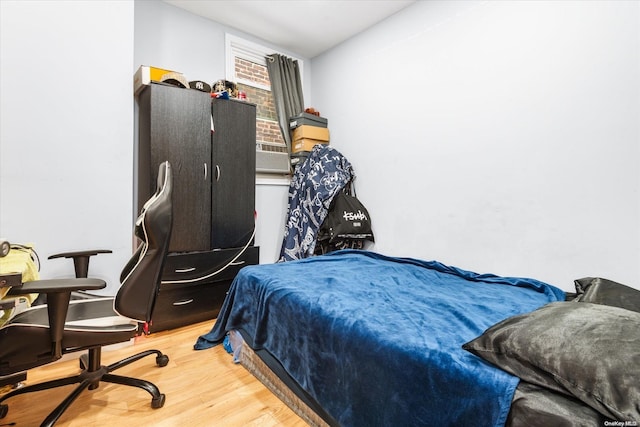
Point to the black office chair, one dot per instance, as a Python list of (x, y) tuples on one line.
[(42, 334)]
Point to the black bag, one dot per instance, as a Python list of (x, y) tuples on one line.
[(347, 225)]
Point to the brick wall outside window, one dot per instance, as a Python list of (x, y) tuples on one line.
[(268, 135)]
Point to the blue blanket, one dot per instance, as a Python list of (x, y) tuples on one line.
[(377, 340)]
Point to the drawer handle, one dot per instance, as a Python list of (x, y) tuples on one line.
[(237, 263), (184, 302), (185, 270)]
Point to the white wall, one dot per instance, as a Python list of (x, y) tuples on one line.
[(169, 37), (66, 128), (496, 136)]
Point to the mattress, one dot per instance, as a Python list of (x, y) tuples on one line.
[(377, 340)]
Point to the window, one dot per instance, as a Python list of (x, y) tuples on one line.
[(246, 66)]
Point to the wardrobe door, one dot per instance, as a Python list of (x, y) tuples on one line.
[(234, 166), (178, 129)]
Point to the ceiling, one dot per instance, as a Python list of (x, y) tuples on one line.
[(304, 27)]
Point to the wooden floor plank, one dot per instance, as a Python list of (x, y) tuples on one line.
[(202, 388)]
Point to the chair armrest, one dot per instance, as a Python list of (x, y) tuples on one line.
[(51, 286), (90, 252), (81, 259)]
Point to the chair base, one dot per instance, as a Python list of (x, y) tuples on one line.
[(12, 379), (90, 377)]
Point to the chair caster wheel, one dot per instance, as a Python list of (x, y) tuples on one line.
[(158, 402), (162, 360), (3, 410)]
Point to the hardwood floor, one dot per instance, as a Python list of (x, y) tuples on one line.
[(202, 388)]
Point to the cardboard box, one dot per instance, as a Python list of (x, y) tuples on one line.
[(307, 119), (305, 144), (145, 75), (310, 132)]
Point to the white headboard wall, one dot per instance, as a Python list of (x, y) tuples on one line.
[(500, 137)]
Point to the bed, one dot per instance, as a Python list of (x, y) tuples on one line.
[(356, 338)]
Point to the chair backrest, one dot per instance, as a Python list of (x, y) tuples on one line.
[(140, 278)]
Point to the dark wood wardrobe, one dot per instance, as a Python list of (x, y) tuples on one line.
[(211, 145)]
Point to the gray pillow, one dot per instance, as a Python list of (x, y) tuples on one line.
[(588, 351), (533, 405), (604, 291)]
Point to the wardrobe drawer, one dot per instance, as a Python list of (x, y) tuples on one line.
[(184, 305), (203, 267)]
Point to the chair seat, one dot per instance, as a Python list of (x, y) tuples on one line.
[(96, 315), (90, 323)]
